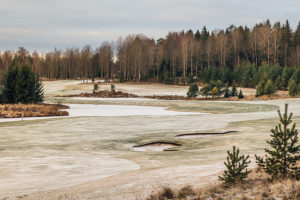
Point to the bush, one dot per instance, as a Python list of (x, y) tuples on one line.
[(236, 167), (214, 92), (282, 158), (193, 91), (240, 96)]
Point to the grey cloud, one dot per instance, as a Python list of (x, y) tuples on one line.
[(44, 24)]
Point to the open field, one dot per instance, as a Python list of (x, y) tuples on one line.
[(89, 154)]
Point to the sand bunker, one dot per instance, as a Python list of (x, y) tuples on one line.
[(194, 135), (155, 146)]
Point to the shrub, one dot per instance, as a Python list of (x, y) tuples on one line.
[(284, 153), (240, 96), (236, 167), (186, 192), (214, 92), (193, 91)]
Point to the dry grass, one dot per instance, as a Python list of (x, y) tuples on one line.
[(258, 187), (32, 110)]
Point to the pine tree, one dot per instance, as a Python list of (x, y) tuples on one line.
[(25, 85), (236, 167), (284, 152), (293, 88), (240, 95), (193, 91), (269, 87), (233, 90), (38, 90), (9, 86), (95, 87), (260, 88), (226, 91), (205, 90)]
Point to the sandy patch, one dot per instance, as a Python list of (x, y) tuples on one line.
[(156, 146)]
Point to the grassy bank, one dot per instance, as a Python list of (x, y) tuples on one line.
[(32, 110), (258, 186)]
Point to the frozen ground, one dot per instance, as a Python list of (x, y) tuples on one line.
[(89, 155)]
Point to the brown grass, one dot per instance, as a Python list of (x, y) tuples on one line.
[(32, 110), (258, 186)]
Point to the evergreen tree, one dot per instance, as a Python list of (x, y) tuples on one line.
[(269, 87), (205, 90), (234, 90), (21, 85), (38, 90), (260, 88), (193, 91), (293, 88), (95, 87), (9, 94), (25, 85), (226, 91), (240, 95), (284, 153), (236, 167)]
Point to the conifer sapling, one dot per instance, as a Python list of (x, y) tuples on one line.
[(236, 167)]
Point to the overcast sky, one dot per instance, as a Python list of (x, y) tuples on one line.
[(43, 24)]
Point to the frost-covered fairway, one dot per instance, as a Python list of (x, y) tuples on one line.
[(89, 154)]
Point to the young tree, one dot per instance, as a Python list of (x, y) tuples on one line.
[(293, 88), (260, 88), (284, 152), (205, 90), (236, 167), (226, 91), (269, 87), (240, 95), (233, 90), (95, 87), (112, 88), (193, 91)]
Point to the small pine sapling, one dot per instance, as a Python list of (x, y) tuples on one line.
[(236, 165), (95, 87), (193, 91), (240, 95), (283, 155), (112, 88)]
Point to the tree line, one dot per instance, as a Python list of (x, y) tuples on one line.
[(175, 58)]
